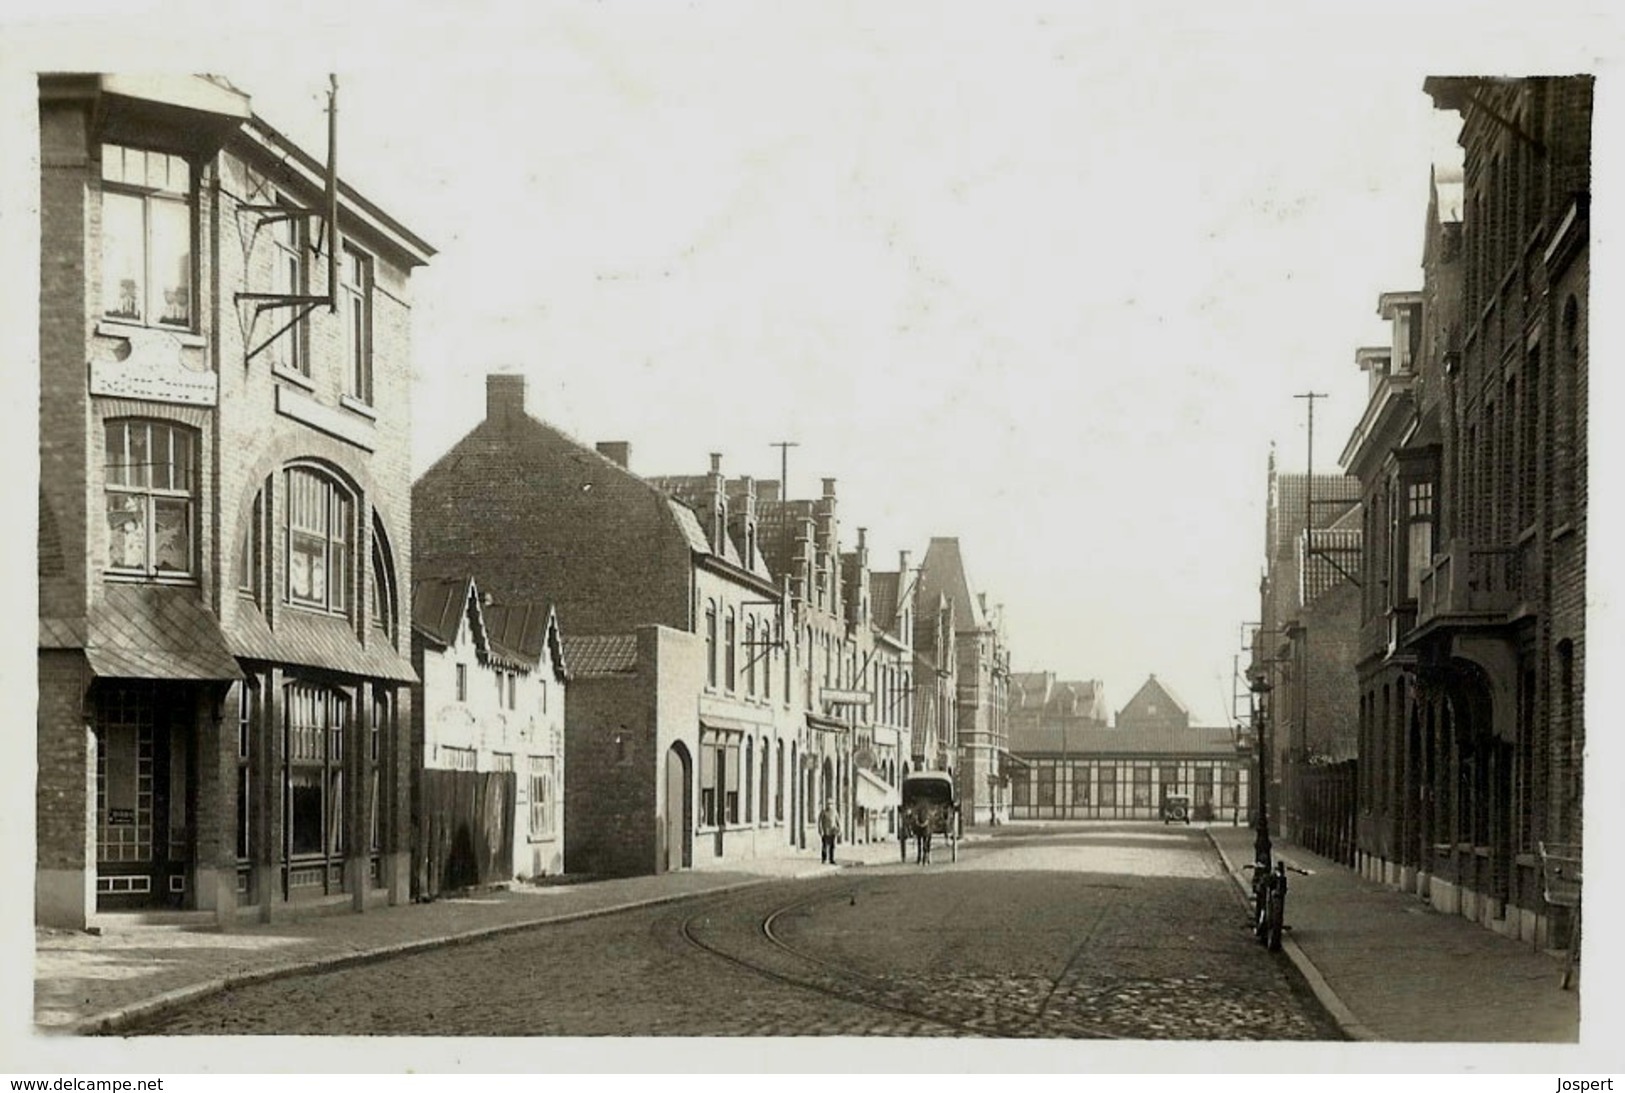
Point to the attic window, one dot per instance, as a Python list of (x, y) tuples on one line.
[(1151, 708)]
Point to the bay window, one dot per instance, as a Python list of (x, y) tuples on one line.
[(146, 237)]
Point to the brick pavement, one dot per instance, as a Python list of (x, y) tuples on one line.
[(1391, 968), (86, 982)]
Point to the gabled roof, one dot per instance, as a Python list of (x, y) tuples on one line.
[(593, 655), (1153, 690), (943, 573), (1334, 495), (883, 600), (1030, 690), (509, 635)]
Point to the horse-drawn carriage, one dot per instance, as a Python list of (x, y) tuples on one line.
[(930, 809)]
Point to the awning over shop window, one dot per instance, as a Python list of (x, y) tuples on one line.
[(874, 793), (140, 631), (316, 641)]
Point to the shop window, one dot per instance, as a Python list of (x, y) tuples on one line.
[(146, 237), (1229, 787), (319, 537), (151, 499), (315, 808), (1108, 787)]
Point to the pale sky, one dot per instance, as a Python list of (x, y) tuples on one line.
[(1045, 278), (1042, 277)]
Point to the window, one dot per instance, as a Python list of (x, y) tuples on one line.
[(1168, 780), (542, 805), (150, 504), (1108, 787), (761, 810), (1142, 787), (1229, 787), (778, 784), (1202, 788), (318, 530), (1046, 786), (289, 277), (513, 690), (750, 656), (250, 549), (355, 289), (462, 683), (711, 644), (381, 586), (315, 750), (458, 758), (750, 773), (1080, 785), (730, 651), (146, 237), (1419, 531)]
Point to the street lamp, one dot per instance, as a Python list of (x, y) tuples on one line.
[(1261, 687)]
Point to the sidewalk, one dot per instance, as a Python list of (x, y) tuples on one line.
[(1389, 967), (86, 983)]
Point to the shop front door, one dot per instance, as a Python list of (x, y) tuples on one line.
[(141, 795)]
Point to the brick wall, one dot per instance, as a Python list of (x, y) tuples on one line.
[(610, 776)]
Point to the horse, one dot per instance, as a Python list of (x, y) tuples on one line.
[(922, 821)]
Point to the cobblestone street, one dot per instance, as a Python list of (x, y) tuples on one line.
[(1124, 932)]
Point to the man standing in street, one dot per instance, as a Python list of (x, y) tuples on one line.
[(829, 825)]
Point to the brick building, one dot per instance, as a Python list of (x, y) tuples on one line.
[(491, 701), (224, 518), (683, 706), (981, 683), (1304, 646), (885, 747), (1474, 455)]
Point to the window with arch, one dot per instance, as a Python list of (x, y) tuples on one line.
[(151, 499), (381, 583), (750, 774), (730, 650), (251, 549), (750, 655), (318, 520)]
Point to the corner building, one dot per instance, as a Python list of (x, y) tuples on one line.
[(224, 523)]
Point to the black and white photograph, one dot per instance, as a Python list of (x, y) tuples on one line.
[(823, 537)]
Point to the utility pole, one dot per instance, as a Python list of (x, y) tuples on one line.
[(1300, 745), (784, 447)]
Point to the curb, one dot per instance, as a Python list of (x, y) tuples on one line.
[(110, 1022), (1350, 1025)]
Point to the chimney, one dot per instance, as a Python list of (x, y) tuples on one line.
[(716, 462), (618, 452), (504, 396), (829, 487), (903, 558), (863, 537)]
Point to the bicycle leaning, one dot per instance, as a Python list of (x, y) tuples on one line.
[(1269, 901)]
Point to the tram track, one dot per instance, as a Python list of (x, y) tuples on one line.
[(834, 979)]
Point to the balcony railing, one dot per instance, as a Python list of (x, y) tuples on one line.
[(1469, 580)]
